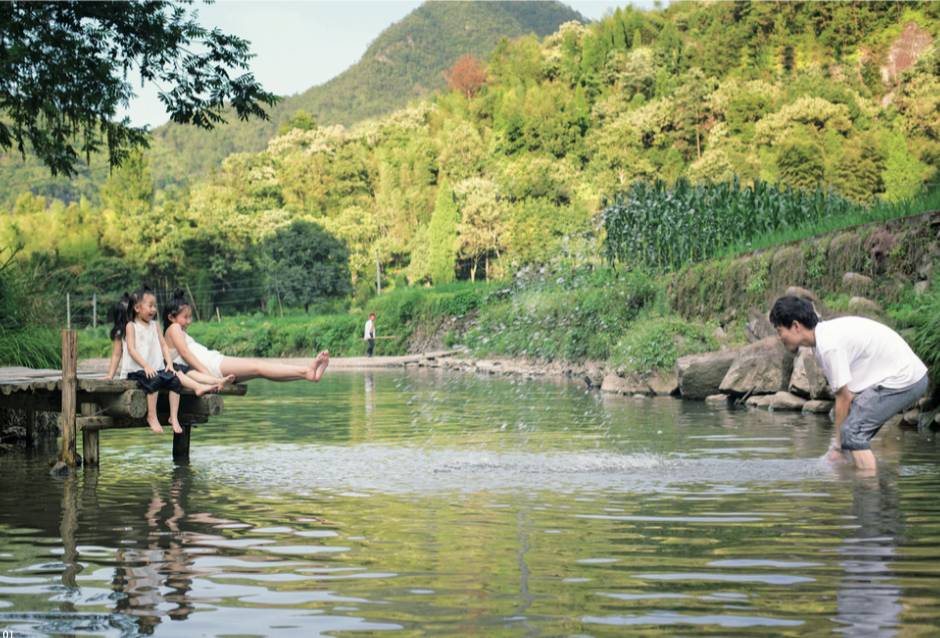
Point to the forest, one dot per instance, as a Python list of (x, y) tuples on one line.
[(517, 164)]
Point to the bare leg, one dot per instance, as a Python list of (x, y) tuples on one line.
[(152, 420), (864, 460), (208, 379), (245, 369), (198, 388), (174, 412)]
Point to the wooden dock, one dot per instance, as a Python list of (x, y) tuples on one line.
[(89, 404)]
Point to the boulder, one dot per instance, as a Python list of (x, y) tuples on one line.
[(856, 283), (664, 383), (921, 287), (796, 291), (912, 417), (759, 401), (778, 401), (787, 401), (808, 380), (758, 326), (632, 384), (700, 374), (817, 407), (717, 399), (764, 367), (865, 307)]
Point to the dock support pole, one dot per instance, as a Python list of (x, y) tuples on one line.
[(69, 396), (181, 445), (89, 438)]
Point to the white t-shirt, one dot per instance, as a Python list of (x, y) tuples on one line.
[(860, 353), (369, 332)]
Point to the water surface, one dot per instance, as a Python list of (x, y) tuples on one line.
[(430, 503)]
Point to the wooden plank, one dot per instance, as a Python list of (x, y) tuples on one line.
[(132, 403), (69, 392), (96, 422)]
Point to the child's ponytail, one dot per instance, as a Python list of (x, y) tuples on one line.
[(118, 314)]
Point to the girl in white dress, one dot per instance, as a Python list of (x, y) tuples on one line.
[(195, 357), (144, 355)]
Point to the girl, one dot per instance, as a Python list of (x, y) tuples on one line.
[(173, 323), (143, 363), (118, 315), (215, 364)]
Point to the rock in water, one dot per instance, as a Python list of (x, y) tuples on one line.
[(664, 383), (620, 385), (817, 407), (701, 374), (763, 367)]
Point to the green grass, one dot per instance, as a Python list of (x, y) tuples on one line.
[(569, 315), (656, 342), (31, 348)]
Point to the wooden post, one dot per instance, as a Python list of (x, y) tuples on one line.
[(29, 422), (69, 396), (68, 311), (181, 445), (89, 437), (218, 317)]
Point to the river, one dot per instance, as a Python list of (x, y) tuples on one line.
[(428, 503)]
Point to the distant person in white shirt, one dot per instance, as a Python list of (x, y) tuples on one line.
[(872, 371), (369, 333)]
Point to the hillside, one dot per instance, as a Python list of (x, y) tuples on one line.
[(822, 98), (407, 61)]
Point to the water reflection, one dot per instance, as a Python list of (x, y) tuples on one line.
[(439, 505), (868, 599)]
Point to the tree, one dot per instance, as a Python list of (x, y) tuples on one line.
[(481, 226), (64, 73), (442, 236), (466, 76), (306, 264)]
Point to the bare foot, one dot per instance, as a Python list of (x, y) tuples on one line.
[(228, 379), (176, 426), (205, 389), (155, 425), (316, 369)]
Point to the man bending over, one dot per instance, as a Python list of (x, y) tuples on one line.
[(872, 371)]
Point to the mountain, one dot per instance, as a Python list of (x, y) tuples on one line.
[(406, 61)]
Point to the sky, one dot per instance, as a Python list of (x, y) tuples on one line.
[(303, 43)]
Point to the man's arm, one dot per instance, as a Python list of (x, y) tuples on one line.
[(843, 403)]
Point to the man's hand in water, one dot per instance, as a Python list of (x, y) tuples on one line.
[(834, 455)]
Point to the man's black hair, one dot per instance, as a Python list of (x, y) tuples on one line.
[(788, 309)]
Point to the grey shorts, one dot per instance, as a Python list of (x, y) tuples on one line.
[(872, 407)]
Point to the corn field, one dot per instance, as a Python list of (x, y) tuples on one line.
[(661, 227)]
